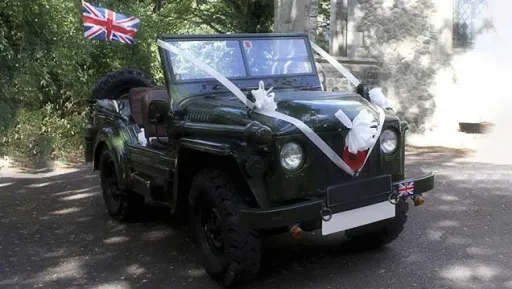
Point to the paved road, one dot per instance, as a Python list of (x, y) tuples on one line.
[(54, 233)]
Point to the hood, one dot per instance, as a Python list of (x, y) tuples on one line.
[(315, 108)]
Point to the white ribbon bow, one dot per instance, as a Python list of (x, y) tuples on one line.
[(378, 98), (363, 131), (264, 98)]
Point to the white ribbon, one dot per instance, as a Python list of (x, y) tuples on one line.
[(336, 64), (376, 95), (265, 105), (275, 114), (358, 139)]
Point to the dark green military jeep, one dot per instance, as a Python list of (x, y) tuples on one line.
[(237, 174)]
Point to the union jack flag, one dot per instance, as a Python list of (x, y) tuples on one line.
[(406, 189), (104, 24)]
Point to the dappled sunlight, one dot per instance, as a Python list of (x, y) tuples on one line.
[(452, 208), (39, 185), (448, 224), (116, 227), (157, 235), (457, 240), (116, 240), (114, 285), (195, 273), (447, 197), (84, 219), (67, 211), (78, 196), (135, 270), (56, 254), (467, 274), (435, 235), (6, 184), (479, 251), (68, 269), (75, 191)]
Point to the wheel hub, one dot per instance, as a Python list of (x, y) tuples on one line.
[(212, 229), (112, 184)]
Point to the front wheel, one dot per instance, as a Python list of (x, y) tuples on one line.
[(379, 234), (230, 251)]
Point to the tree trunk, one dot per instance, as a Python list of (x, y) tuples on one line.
[(296, 16), (338, 25), (158, 5)]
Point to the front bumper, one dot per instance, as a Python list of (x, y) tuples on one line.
[(312, 210)]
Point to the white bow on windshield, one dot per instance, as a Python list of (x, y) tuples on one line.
[(264, 98)]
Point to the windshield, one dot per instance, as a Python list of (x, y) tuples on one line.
[(241, 58), (277, 56)]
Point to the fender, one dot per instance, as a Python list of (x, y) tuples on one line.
[(116, 145), (215, 150)]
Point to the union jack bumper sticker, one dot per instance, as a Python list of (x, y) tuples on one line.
[(406, 189)]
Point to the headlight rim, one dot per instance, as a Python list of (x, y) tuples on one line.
[(303, 159), (397, 137)]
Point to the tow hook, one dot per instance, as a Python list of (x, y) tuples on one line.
[(326, 214), (393, 198)]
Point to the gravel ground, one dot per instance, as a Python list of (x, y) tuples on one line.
[(55, 233)]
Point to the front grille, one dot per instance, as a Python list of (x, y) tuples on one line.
[(320, 172), (328, 173)]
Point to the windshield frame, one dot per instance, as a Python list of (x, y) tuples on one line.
[(180, 91), (166, 55)]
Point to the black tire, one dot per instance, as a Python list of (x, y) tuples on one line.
[(122, 205), (379, 234), (237, 257), (117, 83)]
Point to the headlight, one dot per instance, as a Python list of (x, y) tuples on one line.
[(388, 141), (292, 156)]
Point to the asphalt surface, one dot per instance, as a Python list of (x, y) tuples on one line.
[(55, 233)]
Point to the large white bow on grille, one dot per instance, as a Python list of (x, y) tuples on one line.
[(364, 131)]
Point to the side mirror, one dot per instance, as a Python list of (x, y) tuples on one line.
[(363, 90), (157, 112)]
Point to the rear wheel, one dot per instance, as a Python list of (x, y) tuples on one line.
[(230, 251), (379, 234), (122, 205)]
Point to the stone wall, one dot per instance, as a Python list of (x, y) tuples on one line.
[(405, 37), (399, 45), (367, 70)]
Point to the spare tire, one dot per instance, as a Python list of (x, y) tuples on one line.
[(119, 82)]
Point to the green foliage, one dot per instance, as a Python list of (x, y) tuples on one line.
[(40, 135), (48, 68), (236, 15)]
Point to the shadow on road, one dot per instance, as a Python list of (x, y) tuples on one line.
[(55, 233)]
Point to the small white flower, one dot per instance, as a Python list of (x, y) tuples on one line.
[(264, 98)]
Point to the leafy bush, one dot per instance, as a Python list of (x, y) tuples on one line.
[(40, 135), (48, 68)]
